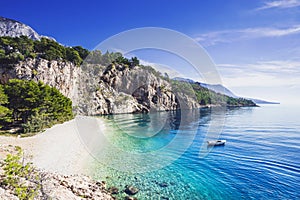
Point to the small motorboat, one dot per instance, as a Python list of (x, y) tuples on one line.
[(216, 142)]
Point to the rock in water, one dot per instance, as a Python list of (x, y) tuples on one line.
[(131, 190), (130, 198), (164, 184), (113, 190)]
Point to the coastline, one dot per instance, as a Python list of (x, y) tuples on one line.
[(61, 159), (58, 149)]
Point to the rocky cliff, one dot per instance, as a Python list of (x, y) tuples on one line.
[(103, 84), (97, 90), (60, 74), (122, 89)]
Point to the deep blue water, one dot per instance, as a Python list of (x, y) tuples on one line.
[(261, 159)]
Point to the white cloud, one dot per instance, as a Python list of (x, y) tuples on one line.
[(280, 4), (227, 36), (263, 73), (270, 80)]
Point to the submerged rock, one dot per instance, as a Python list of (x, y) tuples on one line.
[(131, 190), (164, 184), (130, 198), (113, 190)]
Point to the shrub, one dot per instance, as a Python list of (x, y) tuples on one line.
[(17, 175)]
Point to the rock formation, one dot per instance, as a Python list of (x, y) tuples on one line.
[(59, 74), (97, 90), (122, 89), (12, 28)]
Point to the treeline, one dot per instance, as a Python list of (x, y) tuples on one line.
[(96, 57), (15, 49), (205, 96), (32, 107)]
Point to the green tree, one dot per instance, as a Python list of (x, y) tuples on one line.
[(135, 61), (83, 53), (5, 113), (37, 106), (73, 56), (23, 96)]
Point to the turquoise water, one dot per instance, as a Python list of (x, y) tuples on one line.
[(261, 159)]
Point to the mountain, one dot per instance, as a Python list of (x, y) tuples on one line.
[(223, 90), (13, 28), (218, 88), (184, 79), (259, 101)]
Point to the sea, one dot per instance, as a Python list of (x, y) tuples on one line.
[(165, 154)]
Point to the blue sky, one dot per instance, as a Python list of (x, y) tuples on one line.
[(254, 43)]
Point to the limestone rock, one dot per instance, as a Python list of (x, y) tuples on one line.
[(12, 28), (120, 89), (98, 90), (130, 198), (130, 190), (59, 74), (113, 190)]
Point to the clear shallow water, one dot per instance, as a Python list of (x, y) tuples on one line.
[(261, 159)]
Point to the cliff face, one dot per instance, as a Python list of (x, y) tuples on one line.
[(97, 90), (121, 89), (59, 74)]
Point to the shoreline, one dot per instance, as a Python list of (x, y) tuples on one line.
[(58, 149), (61, 160)]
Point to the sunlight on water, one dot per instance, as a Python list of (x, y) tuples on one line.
[(259, 161)]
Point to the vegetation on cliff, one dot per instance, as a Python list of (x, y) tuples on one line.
[(32, 106), (13, 50), (206, 96)]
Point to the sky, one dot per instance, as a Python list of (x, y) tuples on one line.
[(255, 44)]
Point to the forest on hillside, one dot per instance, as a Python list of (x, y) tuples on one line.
[(32, 106)]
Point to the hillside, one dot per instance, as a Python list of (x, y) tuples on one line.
[(218, 88), (101, 83), (96, 83)]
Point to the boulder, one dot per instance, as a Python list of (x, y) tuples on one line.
[(131, 190)]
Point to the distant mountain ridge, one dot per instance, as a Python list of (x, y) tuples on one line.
[(13, 28), (218, 88)]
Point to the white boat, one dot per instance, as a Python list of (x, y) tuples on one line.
[(216, 142)]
